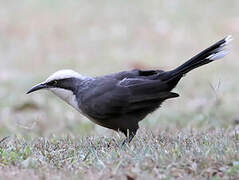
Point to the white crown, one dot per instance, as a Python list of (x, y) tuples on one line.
[(63, 74)]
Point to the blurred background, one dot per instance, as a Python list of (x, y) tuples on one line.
[(95, 38)]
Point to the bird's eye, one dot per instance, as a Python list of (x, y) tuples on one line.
[(54, 83)]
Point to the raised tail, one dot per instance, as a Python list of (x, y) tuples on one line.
[(214, 52)]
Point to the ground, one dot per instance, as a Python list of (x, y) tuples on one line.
[(194, 136), (182, 154)]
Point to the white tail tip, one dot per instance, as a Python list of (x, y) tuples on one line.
[(228, 39), (221, 51)]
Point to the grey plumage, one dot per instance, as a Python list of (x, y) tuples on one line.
[(119, 101)]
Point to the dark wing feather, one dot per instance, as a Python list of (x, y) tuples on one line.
[(111, 97), (105, 99), (136, 73), (144, 89)]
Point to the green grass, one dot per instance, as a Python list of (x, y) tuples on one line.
[(184, 153), (194, 136)]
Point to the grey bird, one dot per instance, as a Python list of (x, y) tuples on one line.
[(119, 101)]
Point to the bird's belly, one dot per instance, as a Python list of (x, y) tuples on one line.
[(102, 122), (117, 122)]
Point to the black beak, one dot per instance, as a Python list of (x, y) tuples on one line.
[(37, 87)]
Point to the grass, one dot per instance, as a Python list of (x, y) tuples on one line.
[(185, 154), (192, 137)]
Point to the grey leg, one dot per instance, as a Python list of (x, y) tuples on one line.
[(129, 136)]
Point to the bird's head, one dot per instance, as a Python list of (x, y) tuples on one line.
[(62, 83)]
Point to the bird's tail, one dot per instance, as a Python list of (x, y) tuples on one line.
[(214, 52)]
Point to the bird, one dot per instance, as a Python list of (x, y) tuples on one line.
[(119, 101)]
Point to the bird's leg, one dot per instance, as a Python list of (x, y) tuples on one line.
[(129, 136)]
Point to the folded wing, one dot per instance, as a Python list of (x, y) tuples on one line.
[(142, 93)]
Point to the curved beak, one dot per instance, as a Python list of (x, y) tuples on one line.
[(37, 87)]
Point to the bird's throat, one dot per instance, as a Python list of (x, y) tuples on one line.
[(67, 96)]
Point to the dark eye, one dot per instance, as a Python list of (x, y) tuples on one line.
[(52, 83)]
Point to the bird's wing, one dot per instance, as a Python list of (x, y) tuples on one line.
[(105, 98), (111, 97), (136, 73), (142, 90)]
